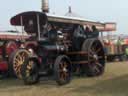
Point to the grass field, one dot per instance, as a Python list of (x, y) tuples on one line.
[(114, 82)]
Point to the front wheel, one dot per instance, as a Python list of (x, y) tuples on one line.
[(62, 70), (16, 59), (29, 71)]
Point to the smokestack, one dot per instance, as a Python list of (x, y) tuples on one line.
[(70, 9), (45, 6)]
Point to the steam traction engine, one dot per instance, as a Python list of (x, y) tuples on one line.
[(58, 46)]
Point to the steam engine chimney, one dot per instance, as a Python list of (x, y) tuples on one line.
[(45, 6)]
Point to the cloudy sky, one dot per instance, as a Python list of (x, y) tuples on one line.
[(94, 10)]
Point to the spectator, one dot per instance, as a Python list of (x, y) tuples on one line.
[(95, 31), (88, 32), (126, 52), (87, 29)]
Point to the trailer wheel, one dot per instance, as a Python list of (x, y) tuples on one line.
[(62, 70), (96, 57), (10, 46), (16, 59), (29, 71)]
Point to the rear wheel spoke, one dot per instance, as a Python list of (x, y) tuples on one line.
[(61, 65), (62, 76), (91, 52), (96, 69), (98, 50), (65, 64), (100, 57), (65, 75), (97, 63)]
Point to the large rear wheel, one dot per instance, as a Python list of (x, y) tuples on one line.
[(96, 57), (62, 70)]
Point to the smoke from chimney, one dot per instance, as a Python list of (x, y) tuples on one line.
[(45, 6)]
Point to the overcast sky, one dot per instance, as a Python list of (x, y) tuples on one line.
[(95, 10)]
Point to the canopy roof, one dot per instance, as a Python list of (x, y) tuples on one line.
[(43, 18), (26, 16)]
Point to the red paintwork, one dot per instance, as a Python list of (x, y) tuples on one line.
[(3, 66), (10, 46)]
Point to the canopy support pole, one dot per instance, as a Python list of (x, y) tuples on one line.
[(38, 25), (21, 20)]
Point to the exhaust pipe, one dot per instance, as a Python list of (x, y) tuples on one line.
[(45, 6)]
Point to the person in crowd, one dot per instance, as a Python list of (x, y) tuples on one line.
[(79, 32), (126, 52), (78, 36), (88, 32), (95, 31)]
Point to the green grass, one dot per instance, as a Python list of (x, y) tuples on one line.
[(114, 82)]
